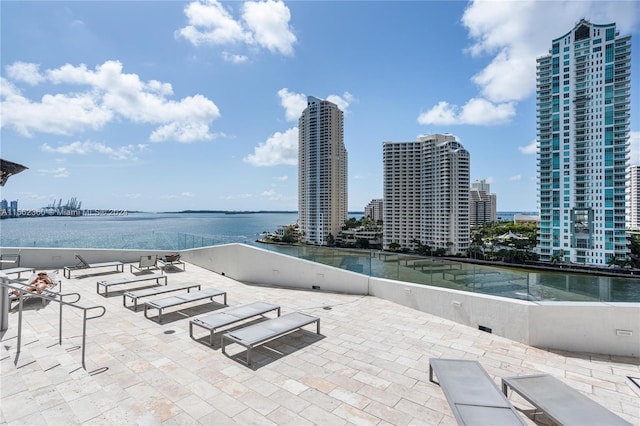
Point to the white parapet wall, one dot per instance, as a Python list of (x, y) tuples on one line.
[(258, 266), (602, 328)]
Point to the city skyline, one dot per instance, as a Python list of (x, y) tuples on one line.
[(197, 109)]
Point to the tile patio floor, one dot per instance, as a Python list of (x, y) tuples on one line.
[(369, 366)]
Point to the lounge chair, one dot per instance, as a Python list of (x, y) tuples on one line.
[(230, 316), (146, 264), (128, 280), (169, 302), (136, 295), (263, 332), (8, 260), (83, 264), (54, 287), (171, 260), (560, 402), (18, 271), (473, 396)]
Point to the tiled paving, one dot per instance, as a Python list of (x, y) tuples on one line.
[(369, 366)]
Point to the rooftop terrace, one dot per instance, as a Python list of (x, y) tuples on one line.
[(368, 366)]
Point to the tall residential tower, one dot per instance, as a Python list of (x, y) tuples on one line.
[(322, 172), (583, 91), (426, 194), (482, 203)]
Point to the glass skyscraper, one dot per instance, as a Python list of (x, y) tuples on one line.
[(583, 90)]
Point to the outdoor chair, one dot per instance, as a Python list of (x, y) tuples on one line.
[(560, 402), (83, 264), (473, 396)]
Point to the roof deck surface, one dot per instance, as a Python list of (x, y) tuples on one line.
[(369, 365)]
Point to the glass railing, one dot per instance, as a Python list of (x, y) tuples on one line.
[(512, 282)]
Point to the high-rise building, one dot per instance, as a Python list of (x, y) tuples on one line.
[(373, 210), (634, 197), (426, 194), (583, 91), (482, 203), (322, 172)]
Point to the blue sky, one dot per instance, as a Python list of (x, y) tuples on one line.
[(168, 105)]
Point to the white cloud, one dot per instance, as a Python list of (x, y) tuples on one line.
[(82, 148), (24, 72), (515, 177), (236, 197), (510, 34), (236, 59), (343, 101), (476, 111), (178, 195), (281, 178), (272, 195), (109, 94), (281, 148), (264, 23), (634, 140), (211, 23), (532, 148), (60, 172), (269, 21), (293, 104)]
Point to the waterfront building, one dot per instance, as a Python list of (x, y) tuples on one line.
[(322, 172), (521, 218), (373, 210), (634, 197), (482, 203), (582, 96), (362, 237), (426, 194), (8, 209)]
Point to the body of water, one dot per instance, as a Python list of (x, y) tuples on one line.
[(157, 231), (178, 231)]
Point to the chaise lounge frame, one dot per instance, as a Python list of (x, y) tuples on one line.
[(263, 332), (83, 264), (146, 263), (128, 280), (172, 301), (215, 321), (560, 402), (18, 271), (136, 295), (473, 396)]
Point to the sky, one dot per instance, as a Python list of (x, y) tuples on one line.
[(171, 105)]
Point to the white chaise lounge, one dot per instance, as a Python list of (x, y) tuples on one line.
[(172, 301), (560, 402), (83, 264), (128, 280), (217, 320), (473, 396), (263, 332), (136, 295)]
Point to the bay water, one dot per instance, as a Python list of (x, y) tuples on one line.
[(179, 231)]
